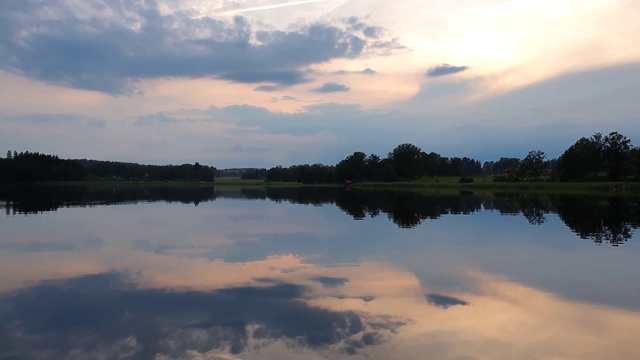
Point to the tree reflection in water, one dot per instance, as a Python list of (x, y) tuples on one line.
[(602, 219)]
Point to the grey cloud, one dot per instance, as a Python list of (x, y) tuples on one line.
[(123, 42), (330, 282), (444, 301), (367, 71), (145, 120), (267, 88), (292, 99), (247, 149), (366, 298), (164, 118), (39, 118), (268, 280), (331, 87), (385, 47), (53, 246), (281, 77), (155, 248), (295, 99), (445, 69), (371, 31)]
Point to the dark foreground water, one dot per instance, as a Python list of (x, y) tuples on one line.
[(316, 273)]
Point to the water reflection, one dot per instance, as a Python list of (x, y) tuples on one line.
[(602, 219), (111, 315), (283, 277), (34, 199), (610, 220), (122, 315)]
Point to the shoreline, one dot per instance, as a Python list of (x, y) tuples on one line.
[(421, 185)]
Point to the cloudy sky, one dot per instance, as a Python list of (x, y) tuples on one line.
[(235, 83)]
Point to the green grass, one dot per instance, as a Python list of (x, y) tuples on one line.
[(440, 184), (487, 183), (451, 184), (234, 181)]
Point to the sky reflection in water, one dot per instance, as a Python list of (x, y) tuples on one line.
[(272, 278)]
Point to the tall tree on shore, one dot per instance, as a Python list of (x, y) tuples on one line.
[(407, 161), (616, 154), (353, 167), (532, 166), (372, 164), (582, 159)]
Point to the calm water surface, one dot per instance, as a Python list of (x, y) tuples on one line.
[(316, 273)]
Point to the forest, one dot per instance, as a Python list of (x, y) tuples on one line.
[(35, 167)]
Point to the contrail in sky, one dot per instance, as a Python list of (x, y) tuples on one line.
[(272, 6)]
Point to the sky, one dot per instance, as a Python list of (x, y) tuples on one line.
[(260, 83)]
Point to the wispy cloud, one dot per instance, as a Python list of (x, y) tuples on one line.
[(270, 6)]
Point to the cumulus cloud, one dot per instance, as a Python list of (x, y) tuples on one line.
[(331, 87), (109, 46), (445, 69)]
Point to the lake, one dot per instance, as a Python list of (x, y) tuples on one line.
[(178, 272)]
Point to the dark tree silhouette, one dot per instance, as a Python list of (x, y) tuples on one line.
[(582, 159), (533, 165), (353, 167), (407, 161), (616, 154)]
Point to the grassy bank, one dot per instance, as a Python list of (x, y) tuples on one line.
[(487, 183), (479, 184), (426, 184)]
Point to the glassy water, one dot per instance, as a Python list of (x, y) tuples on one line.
[(180, 272)]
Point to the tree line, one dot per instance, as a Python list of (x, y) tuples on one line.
[(405, 162), (599, 157), (33, 166), (610, 157)]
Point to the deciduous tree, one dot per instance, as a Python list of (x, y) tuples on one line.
[(582, 159), (533, 164), (616, 154), (407, 161)]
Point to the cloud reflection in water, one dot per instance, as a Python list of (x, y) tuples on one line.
[(110, 314)]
